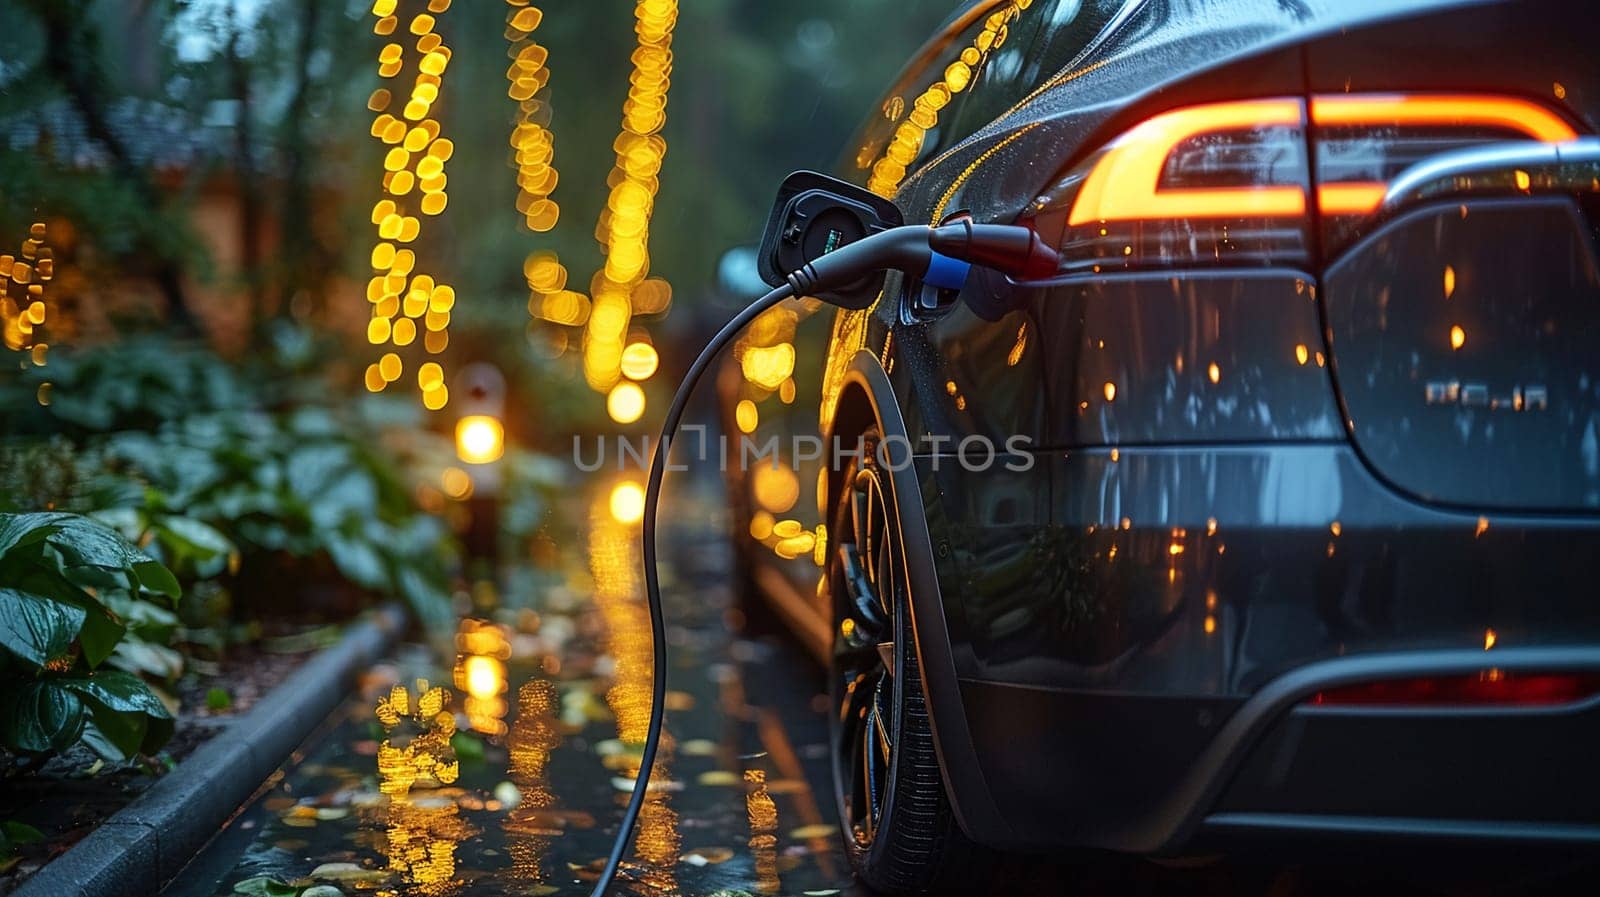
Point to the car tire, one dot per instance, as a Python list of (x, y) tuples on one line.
[(899, 830)]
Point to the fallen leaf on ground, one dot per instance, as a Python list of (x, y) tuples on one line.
[(625, 784), (349, 872), (707, 856)]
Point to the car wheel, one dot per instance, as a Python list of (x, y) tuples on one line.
[(899, 830)]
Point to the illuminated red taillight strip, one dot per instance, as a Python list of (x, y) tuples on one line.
[(1414, 110), (1356, 198), (1457, 110), (1124, 184), (1489, 688)]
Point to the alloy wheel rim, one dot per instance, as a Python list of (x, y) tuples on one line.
[(868, 580)]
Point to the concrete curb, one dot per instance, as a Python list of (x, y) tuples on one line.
[(141, 848)]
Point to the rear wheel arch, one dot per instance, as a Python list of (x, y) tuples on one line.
[(867, 403)]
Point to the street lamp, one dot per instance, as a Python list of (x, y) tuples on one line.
[(480, 443)]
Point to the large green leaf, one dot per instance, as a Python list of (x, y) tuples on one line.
[(17, 530), (119, 691), (155, 578), (100, 632), (37, 629), (83, 542), (40, 716), (124, 714), (96, 555)]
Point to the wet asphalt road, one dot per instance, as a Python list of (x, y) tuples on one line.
[(505, 772)]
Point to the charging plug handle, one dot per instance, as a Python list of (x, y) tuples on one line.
[(1012, 249)]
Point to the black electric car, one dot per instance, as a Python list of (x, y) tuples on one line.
[(1302, 530)]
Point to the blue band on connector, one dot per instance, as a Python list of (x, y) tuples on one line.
[(945, 272)]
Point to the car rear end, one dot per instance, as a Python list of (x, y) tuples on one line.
[(1315, 405)]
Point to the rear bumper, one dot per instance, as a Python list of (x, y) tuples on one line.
[(1158, 774), (1130, 637)]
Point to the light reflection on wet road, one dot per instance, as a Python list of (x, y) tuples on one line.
[(551, 695), (504, 772)]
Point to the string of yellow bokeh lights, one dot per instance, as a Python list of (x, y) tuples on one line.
[(414, 172), (23, 301), (616, 355)]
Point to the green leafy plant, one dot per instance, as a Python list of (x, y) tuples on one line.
[(61, 577), (190, 456), (13, 835)]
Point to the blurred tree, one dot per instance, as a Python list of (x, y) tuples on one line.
[(72, 58), (219, 150)]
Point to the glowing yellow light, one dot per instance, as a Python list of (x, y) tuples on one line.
[(627, 502), (625, 402), (1111, 391), (1489, 638), (1301, 353), (776, 489), (746, 416), (480, 439), (1458, 337), (639, 361), (1449, 281), (768, 366), (430, 376), (456, 483), (485, 676), (1213, 372), (527, 19), (436, 399), (389, 366)]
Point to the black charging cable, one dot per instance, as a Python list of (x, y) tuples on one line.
[(943, 253), (652, 585)]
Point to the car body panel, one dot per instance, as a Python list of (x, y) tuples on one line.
[(1145, 596)]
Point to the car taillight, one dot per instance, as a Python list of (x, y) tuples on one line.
[(1364, 140), (1230, 183), (1488, 688), (1220, 183)]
